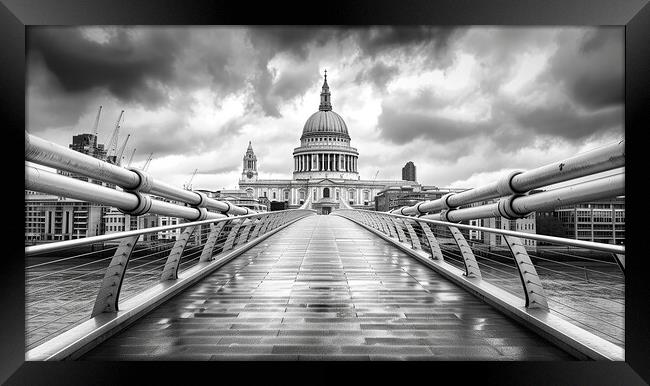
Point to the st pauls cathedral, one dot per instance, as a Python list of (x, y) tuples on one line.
[(325, 167)]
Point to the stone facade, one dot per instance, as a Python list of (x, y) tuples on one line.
[(325, 167)]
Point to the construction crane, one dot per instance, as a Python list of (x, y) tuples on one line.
[(118, 157), (188, 185), (131, 158), (95, 128), (146, 164), (375, 177), (112, 144)]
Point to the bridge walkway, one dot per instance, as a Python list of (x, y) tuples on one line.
[(325, 288)]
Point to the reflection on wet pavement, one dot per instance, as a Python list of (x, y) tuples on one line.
[(325, 289)]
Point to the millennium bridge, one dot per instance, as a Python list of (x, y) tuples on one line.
[(416, 283)]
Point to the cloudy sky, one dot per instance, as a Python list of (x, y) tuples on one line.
[(464, 104)]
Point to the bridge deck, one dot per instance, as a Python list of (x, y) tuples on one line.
[(325, 288)]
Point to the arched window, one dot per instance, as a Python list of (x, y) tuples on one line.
[(351, 195), (326, 192), (366, 195), (302, 194)]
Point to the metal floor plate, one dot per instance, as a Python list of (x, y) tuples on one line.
[(325, 289)]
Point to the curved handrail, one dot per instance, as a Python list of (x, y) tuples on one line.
[(504, 273)]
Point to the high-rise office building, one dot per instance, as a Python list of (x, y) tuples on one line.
[(408, 172)]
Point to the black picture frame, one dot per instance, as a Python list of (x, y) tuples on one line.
[(15, 15)]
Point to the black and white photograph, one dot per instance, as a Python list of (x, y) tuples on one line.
[(356, 193)]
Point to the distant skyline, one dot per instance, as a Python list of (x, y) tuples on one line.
[(464, 104)]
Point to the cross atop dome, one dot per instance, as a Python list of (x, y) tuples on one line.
[(325, 101)]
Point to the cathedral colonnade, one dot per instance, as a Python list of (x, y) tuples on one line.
[(323, 162)]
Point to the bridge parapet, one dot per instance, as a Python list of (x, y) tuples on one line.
[(571, 291), (78, 291), (516, 189)]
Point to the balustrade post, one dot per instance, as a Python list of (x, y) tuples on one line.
[(366, 219), (533, 288), (243, 237), (230, 240), (620, 260), (375, 222), (436, 253), (259, 221), (281, 220), (392, 232), (215, 230), (170, 271), (401, 236), (109, 292), (274, 220), (415, 240), (267, 221), (471, 266)]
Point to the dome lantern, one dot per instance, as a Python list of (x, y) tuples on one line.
[(325, 99)]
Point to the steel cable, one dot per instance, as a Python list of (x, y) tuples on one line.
[(68, 258), (581, 312), (588, 326)]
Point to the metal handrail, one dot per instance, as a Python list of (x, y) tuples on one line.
[(47, 153), (518, 206), (519, 182), (35, 249), (532, 236), (442, 246)]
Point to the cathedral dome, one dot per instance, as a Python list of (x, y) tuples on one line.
[(325, 149), (325, 121)]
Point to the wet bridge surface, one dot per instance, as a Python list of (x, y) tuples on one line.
[(324, 288)]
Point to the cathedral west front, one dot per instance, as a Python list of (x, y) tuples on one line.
[(325, 167)]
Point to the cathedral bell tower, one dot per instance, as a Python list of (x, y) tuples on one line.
[(249, 172)]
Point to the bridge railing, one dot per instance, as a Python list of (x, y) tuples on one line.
[(577, 281), (72, 281), (137, 186), (516, 189)]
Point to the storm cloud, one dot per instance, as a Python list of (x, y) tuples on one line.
[(400, 127), (475, 98), (379, 74), (592, 68), (132, 69)]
